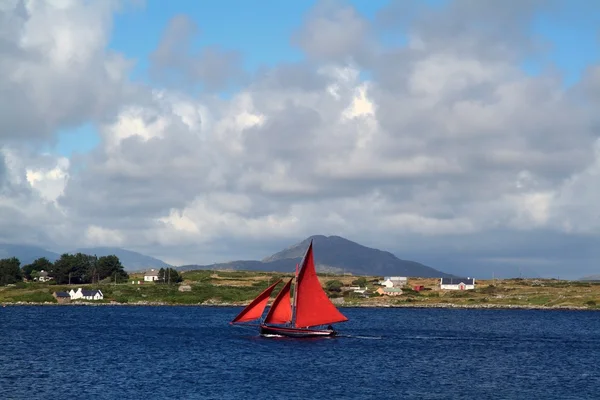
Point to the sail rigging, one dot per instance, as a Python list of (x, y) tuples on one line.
[(255, 309), (312, 305), (281, 309)]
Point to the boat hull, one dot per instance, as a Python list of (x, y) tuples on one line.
[(266, 330)]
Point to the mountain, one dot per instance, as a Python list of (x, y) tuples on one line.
[(131, 260), (590, 278), (25, 253), (333, 254)]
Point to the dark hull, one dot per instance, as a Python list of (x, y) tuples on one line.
[(295, 332)]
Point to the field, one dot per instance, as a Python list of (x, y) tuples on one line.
[(239, 287)]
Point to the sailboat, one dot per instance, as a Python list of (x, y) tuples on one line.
[(310, 315)]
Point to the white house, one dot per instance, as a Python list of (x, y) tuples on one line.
[(86, 294), (393, 281), (151, 276), (43, 276), (457, 283), (387, 283)]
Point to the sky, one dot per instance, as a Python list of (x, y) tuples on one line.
[(458, 133)]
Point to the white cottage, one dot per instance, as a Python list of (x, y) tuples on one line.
[(151, 276), (457, 283), (75, 294), (86, 294), (394, 281), (44, 277)]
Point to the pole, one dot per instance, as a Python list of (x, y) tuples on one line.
[(296, 285)]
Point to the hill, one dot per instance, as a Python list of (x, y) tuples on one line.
[(26, 253), (333, 254), (131, 260), (591, 278)]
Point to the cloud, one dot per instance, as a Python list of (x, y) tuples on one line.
[(449, 145), (334, 31), (174, 62), (51, 50)]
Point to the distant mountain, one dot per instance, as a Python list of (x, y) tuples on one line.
[(131, 260), (333, 254), (590, 278), (25, 253)]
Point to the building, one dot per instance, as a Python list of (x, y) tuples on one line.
[(92, 295), (394, 281), (389, 291), (43, 276), (86, 294), (62, 297), (151, 276), (457, 283), (399, 279)]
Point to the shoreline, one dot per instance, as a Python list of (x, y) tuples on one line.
[(412, 305)]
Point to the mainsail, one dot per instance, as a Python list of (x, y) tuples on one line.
[(281, 309), (255, 309), (312, 306)]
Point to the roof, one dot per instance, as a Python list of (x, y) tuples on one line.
[(458, 281), (87, 293), (151, 273), (43, 273), (62, 294)]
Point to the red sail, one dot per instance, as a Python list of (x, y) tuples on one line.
[(255, 309), (281, 309), (313, 307)]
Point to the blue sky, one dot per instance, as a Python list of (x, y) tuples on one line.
[(261, 31)]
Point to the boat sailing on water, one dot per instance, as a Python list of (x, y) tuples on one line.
[(310, 315)]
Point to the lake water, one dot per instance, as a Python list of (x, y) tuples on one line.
[(125, 352)]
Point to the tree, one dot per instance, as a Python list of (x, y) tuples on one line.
[(74, 268), (362, 281), (110, 267), (10, 271), (168, 275), (334, 286), (41, 264)]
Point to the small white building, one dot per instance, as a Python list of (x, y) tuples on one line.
[(43, 276), (151, 276), (457, 283), (394, 281)]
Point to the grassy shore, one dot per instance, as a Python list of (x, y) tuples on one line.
[(240, 287)]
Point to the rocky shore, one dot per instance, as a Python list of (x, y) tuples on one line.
[(353, 305)]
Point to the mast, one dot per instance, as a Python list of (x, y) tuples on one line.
[(313, 306), (296, 285)]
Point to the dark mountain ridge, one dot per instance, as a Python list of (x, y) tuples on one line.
[(333, 254)]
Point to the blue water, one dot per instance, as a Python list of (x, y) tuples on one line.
[(192, 353)]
